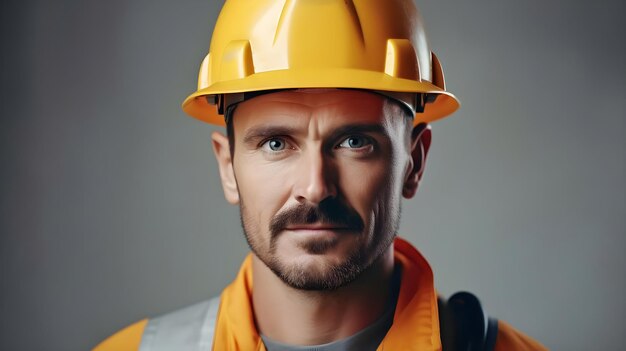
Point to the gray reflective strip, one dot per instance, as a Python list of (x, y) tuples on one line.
[(189, 329)]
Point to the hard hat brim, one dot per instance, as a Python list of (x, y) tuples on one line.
[(197, 105)]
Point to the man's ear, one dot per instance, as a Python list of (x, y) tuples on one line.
[(420, 144), (221, 149)]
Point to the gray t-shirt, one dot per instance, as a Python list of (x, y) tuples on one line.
[(366, 339)]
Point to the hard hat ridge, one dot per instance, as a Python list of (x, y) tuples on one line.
[(376, 45)]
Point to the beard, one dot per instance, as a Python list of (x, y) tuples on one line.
[(325, 276)]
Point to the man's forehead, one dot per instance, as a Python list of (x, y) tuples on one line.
[(312, 103)]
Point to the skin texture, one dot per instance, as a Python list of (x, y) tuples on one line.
[(319, 175)]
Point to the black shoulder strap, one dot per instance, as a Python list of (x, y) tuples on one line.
[(464, 324)]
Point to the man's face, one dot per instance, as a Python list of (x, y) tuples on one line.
[(318, 175)]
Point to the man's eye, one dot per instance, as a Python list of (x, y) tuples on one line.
[(355, 142), (274, 144)]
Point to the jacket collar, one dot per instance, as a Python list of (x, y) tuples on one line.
[(415, 323)]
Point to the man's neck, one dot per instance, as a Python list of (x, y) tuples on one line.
[(300, 317)]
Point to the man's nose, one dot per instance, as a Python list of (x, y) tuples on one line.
[(315, 178)]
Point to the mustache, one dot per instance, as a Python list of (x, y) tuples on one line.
[(329, 211)]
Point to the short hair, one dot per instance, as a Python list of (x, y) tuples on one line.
[(230, 130)]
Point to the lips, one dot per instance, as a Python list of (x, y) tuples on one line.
[(317, 227), (329, 215)]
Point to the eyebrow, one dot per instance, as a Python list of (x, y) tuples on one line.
[(359, 128), (266, 131)]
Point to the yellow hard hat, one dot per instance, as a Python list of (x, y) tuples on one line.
[(376, 45)]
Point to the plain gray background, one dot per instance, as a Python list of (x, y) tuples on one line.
[(111, 207)]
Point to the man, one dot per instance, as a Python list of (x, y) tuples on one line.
[(326, 105)]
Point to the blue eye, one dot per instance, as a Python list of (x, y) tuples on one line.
[(275, 144), (355, 142)]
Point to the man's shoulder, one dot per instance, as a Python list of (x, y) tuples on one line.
[(510, 339), (127, 339)]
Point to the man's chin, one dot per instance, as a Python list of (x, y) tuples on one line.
[(330, 248), (318, 246), (315, 272)]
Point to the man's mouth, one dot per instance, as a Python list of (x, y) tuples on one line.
[(318, 227), (328, 218)]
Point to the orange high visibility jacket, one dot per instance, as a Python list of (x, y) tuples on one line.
[(415, 323)]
